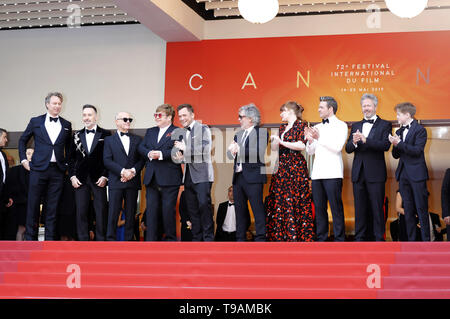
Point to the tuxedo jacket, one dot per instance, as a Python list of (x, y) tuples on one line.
[(83, 163), (445, 194), (369, 156), (222, 213), (115, 159), (4, 197), (165, 171), (198, 152), (251, 155), (411, 153), (17, 183), (43, 146)]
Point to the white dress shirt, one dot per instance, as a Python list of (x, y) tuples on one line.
[(405, 131), (242, 142), (229, 224), (162, 131), (125, 142), (328, 149), (90, 138), (53, 130)]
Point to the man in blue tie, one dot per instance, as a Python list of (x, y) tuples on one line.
[(412, 172), (52, 138)]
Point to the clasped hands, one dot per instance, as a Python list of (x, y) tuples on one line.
[(394, 139), (127, 174), (358, 136), (311, 134)]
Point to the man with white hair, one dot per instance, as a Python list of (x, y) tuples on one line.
[(124, 163), (248, 149)]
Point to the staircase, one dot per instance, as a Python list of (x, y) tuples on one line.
[(192, 270)]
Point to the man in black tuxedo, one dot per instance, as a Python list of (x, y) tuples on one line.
[(195, 151), (162, 176), (249, 176), (124, 163), (226, 219), (52, 138), (88, 174), (18, 183), (368, 140), (445, 200), (5, 200), (412, 172)]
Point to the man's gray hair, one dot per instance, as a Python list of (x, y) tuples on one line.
[(370, 97), (49, 96), (252, 112)]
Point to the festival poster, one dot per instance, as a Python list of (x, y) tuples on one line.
[(219, 76)]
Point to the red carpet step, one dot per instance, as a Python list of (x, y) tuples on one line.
[(181, 270)]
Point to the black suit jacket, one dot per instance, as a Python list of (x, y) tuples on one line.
[(83, 163), (411, 153), (445, 194), (251, 155), (43, 147), (370, 155), (4, 197), (115, 159), (222, 213), (166, 172), (17, 183)]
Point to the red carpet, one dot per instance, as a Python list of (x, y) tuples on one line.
[(224, 270)]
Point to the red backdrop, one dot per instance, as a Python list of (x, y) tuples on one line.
[(219, 76)]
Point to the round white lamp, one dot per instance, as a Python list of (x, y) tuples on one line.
[(406, 8), (258, 11)]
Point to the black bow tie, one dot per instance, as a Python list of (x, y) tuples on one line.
[(53, 119), (230, 204), (406, 127), (325, 121), (368, 121), (122, 134), (90, 131), (188, 128)]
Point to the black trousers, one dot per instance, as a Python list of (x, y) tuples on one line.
[(198, 203), (225, 236), (48, 183), (243, 193), (369, 209), (161, 199), (415, 200), (324, 191), (128, 197), (82, 199)]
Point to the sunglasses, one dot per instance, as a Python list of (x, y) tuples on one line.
[(241, 117), (126, 119), (158, 115)]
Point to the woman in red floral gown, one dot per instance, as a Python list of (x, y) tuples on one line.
[(288, 205)]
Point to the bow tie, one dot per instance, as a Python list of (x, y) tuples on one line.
[(325, 121), (188, 128), (90, 131), (368, 121), (230, 204), (53, 119), (406, 127), (122, 134)]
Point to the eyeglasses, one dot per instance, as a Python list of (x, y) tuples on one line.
[(126, 119), (158, 115), (241, 117)]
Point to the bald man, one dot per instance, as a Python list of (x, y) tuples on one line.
[(124, 165)]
